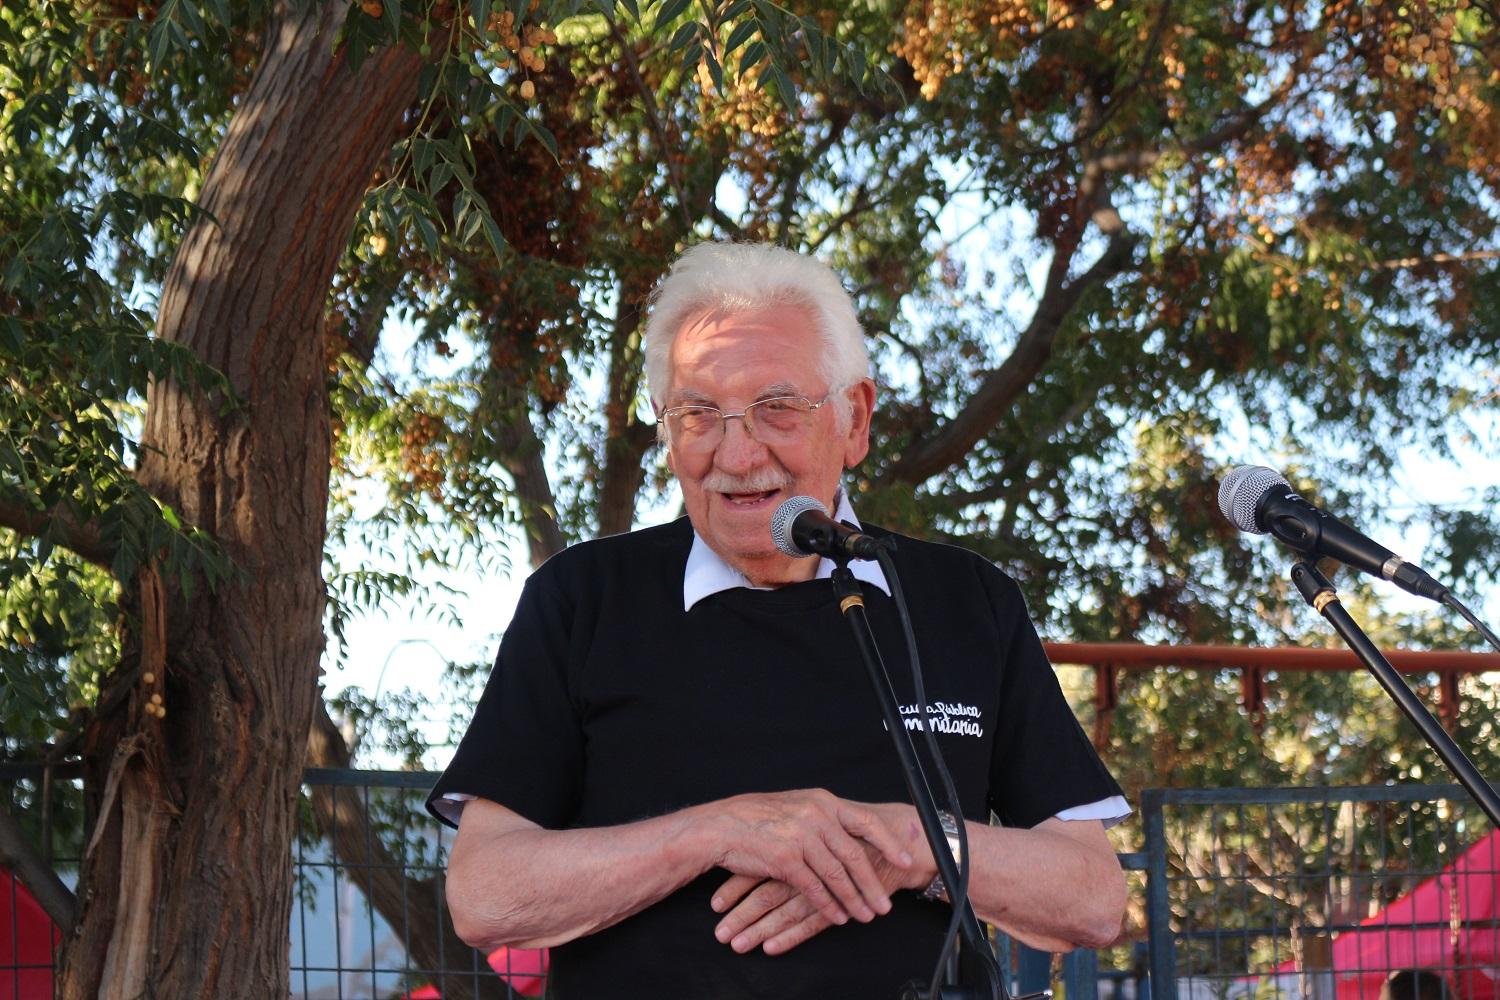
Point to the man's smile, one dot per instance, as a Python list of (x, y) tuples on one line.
[(751, 501)]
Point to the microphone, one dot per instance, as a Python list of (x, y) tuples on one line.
[(1260, 501), (801, 527)]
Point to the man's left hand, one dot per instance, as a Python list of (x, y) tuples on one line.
[(774, 916)]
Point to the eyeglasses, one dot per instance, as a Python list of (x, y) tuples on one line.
[(773, 421)]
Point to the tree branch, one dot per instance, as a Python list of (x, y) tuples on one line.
[(627, 438), (838, 121), (1003, 386), (364, 333), (653, 119), (722, 219), (414, 907), (858, 205), (1237, 125), (1402, 263), (80, 538), (1016, 462), (523, 457), (19, 855)]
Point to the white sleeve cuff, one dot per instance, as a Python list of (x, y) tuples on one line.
[(451, 805), (1111, 810)]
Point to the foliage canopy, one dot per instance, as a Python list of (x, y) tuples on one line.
[(1103, 251)]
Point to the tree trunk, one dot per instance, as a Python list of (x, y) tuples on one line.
[(186, 885)]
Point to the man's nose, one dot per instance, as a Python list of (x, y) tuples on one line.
[(738, 451)]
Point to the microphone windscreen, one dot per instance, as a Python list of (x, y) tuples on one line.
[(781, 523), (1240, 493)]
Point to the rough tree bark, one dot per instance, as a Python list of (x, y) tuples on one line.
[(186, 885)]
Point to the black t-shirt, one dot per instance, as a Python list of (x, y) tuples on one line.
[(609, 703)]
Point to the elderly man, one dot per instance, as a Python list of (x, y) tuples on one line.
[(677, 777)]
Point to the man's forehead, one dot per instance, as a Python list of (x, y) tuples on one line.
[(691, 394)]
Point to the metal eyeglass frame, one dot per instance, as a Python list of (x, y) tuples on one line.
[(665, 415)]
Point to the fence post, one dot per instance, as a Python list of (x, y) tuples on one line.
[(1081, 974), (1163, 974)]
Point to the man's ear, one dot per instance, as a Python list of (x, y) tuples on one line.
[(857, 441)]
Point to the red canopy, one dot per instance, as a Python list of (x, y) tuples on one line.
[(27, 938), (1416, 932)]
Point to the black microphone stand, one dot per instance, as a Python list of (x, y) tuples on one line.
[(1318, 592), (978, 976)]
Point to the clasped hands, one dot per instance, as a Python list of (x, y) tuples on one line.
[(804, 861)]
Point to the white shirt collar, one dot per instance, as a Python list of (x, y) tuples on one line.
[(707, 574)]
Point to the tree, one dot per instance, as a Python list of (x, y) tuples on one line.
[(1278, 215), (193, 748)]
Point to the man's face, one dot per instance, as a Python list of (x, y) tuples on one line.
[(730, 360)]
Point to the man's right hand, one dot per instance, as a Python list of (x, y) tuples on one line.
[(813, 841)]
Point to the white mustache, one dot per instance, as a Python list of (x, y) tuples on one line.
[(760, 481)]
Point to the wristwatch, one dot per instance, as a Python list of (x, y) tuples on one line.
[(936, 889)]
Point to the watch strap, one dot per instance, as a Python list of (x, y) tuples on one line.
[(937, 889)]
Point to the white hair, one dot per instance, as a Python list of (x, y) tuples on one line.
[(736, 277)]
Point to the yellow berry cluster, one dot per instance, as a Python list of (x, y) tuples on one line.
[(745, 107), (153, 705), (1422, 40), (522, 40), (938, 33), (419, 459)]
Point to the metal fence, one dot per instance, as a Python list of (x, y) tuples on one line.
[(1319, 892), (1242, 892)]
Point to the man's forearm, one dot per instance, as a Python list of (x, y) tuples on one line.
[(534, 888), (1050, 889)]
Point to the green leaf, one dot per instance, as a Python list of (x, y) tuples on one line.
[(669, 11), (740, 35), (684, 34), (770, 17), (423, 152), (426, 232), (856, 56), (545, 136), (715, 71), (193, 18), (220, 10), (753, 55), (782, 82), (461, 206), (157, 42), (471, 227), (692, 56)]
